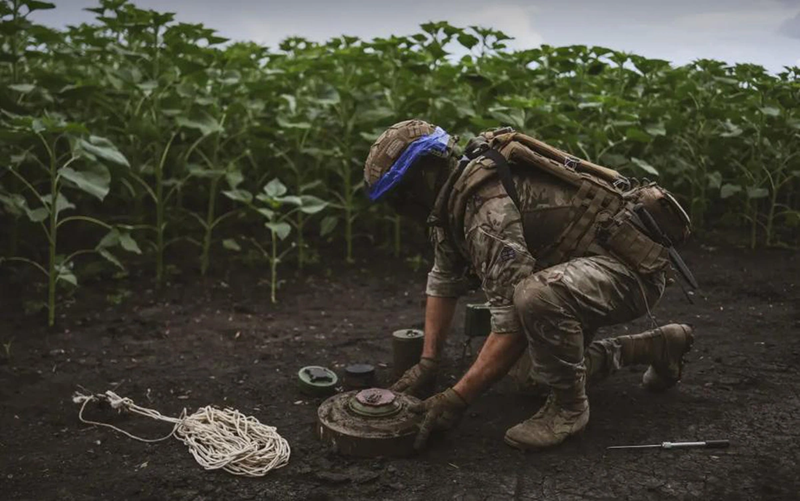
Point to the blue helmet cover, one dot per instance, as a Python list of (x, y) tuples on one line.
[(433, 142)]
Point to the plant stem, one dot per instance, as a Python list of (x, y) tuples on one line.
[(301, 255), (86, 219), (159, 226), (25, 260), (212, 200), (773, 203), (753, 223), (53, 234), (159, 199), (273, 263)]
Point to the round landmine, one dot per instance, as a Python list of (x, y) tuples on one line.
[(358, 376), (317, 381), (372, 422)]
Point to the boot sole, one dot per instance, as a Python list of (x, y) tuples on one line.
[(517, 445), (525, 447)]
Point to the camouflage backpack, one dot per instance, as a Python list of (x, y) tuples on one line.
[(639, 223)]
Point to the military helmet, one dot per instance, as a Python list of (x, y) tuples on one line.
[(402, 144)]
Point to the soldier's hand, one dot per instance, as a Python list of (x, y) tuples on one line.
[(442, 411), (419, 378)]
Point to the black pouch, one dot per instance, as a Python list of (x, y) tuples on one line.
[(630, 245)]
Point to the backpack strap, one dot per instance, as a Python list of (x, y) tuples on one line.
[(595, 201), (504, 172)]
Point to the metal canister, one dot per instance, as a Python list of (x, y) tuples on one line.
[(407, 348), (477, 320), (358, 376)]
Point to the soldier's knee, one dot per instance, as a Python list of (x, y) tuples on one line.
[(534, 296)]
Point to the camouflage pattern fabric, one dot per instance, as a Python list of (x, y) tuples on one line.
[(557, 306), (495, 242)]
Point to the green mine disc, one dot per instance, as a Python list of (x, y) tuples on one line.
[(317, 381)]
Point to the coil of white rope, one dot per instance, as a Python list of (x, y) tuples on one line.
[(217, 438)]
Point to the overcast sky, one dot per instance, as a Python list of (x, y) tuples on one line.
[(765, 32)]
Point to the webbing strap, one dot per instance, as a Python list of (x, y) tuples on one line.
[(655, 250), (504, 171), (581, 199), (572, 237), (611, 207)]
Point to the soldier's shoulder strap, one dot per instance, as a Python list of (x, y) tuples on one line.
[(504, 173)]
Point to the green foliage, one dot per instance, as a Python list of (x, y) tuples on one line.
[(277, 208), (49, 159), (159, 132)]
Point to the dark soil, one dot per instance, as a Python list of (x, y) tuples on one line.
[(220, 341)]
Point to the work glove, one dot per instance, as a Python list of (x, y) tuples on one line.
[(442, 411), (418, 379)]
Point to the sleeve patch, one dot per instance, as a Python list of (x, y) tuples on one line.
[(507, 253)]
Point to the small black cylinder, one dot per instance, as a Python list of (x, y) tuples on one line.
[(359, 376), (477, 320)]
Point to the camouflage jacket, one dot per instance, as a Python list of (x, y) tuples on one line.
[(494, 245)]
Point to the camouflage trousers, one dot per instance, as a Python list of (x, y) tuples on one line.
[(561, 307)]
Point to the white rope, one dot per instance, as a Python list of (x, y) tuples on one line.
[(217, 438)]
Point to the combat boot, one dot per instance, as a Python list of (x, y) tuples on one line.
[(565, 413), (663, 348)]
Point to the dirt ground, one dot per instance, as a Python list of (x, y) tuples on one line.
[(219, 340)]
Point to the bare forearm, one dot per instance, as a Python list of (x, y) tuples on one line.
[(438, 317), (499, 353)]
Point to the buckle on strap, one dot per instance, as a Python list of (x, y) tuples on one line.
[(622, 183), (571, 163)]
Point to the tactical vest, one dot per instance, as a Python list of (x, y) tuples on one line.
[(601, 218)]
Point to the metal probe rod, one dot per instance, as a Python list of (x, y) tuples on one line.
[(708, 444)]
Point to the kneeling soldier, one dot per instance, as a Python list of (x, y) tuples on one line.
[(561, 247)]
